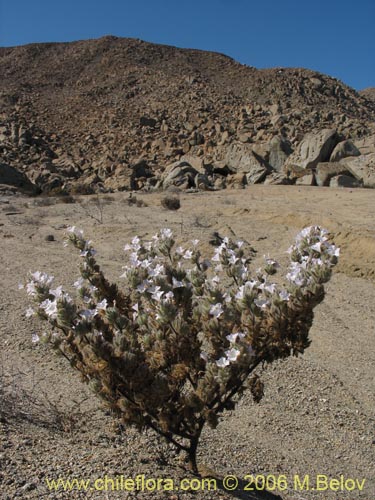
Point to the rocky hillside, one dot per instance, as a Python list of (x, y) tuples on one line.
[(117, 113)]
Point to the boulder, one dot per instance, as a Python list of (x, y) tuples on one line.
[(362, 168), (235, 181), (366, 145), (325, 171), (279, 151), (180, 174), (314, 148), (240, 158), (344, 149), (10, 176), (344, 181)]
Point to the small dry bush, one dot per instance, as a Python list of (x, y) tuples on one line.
[(170, 202)]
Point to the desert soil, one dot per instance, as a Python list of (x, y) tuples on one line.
[(317, 415)]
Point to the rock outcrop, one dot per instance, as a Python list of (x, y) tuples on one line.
[(79, 116)]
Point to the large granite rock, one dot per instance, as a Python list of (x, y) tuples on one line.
[(240, 158), (279, 151), (314, 148), (362, 168), (180, 174), (366, 145), (343, 150), (325, 171)]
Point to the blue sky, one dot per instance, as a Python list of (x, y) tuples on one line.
[(331, 36)]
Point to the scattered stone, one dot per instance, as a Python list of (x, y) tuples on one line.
[(50, 237)]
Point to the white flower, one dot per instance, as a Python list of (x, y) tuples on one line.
[(21, 286), (143, 286), (333, 250), (35, 338), (284, 295), (169, 296), (30, 288), (232, 354), (195, 242), (216, 257), (57, 292), (50, 308), (29, 312), (176, 283), (222, 362), (239, 244), (240, 294), (156, 271), (102, 306), (317, 247), (128, 247), (188, 254), (180, 250), (157, 296), (261, 303), (204, 356), (88, 314), (233, 259), (216, 310), (233, 337), (166, 233), (270, 288), (74, 230)]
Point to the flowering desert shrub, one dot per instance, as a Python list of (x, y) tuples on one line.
[(179, 342)]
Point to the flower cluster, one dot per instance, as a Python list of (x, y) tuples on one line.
[(174, 347)]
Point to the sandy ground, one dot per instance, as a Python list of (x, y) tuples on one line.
[(317, 416)]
